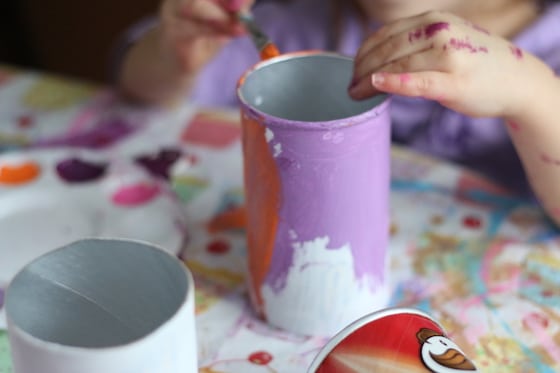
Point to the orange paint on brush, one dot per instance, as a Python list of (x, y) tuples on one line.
[(19, 174), (270, 50), (262, 183)]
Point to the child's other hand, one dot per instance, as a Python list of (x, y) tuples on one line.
[(442, 57), (193, 31)]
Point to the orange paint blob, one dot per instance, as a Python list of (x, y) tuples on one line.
[(262, 188), (19, 174), (235, 218), (270, 50)]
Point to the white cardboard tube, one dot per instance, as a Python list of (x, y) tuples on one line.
[(111, 306)]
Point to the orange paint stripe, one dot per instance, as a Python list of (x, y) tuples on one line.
[(262, 187)]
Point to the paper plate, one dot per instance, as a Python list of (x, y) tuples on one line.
[(392, 341), (49, 198)]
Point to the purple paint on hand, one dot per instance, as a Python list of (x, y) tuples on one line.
[(460, 44), (415, 35), (517, 52), (431, 30), (549, 160)]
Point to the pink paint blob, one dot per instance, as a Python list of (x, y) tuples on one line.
[(431, 30), (517, 52), (135, 195)]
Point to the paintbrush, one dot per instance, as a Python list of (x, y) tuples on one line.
[(266, 48)]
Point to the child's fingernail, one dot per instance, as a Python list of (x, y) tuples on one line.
[(378, 79)]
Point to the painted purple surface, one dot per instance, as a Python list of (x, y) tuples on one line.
[(74, 170), (335, 183)]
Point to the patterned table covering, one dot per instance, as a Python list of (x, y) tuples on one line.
[(481, 261)]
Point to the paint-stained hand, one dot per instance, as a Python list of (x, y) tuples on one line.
[(442, 57), (193, 31)]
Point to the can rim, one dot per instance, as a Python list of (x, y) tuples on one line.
[(278, 122)]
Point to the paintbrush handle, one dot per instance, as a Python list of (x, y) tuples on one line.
[(265, 47)]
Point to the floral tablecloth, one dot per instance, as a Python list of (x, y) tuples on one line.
[(483, 262)]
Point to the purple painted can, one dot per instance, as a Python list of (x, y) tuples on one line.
[(317, 182)]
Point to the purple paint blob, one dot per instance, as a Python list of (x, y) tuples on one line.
[(75, 170), (103, 135), (431, 30), (159, 165)]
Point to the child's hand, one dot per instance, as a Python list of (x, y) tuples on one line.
[(193, 31), (442, 57)]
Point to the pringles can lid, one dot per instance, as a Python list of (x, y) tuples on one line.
[(390, 341)]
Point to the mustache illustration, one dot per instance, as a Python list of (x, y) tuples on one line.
[(453, 359)]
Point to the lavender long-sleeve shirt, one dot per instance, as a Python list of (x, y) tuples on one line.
[(481, 144)]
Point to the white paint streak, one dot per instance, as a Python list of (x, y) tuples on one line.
[(322, 295), (269, 135), (293, 234), (277, 150)]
